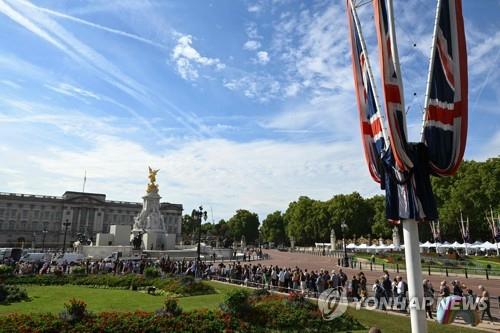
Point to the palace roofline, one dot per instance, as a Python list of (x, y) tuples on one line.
[(73, 194)]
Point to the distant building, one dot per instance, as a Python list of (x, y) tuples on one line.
[(24, 217)]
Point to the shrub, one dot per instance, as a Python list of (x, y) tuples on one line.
[(12, 294), (75, 310), (261, 292), (151, 273), (6, 270), (170, 308), (186, 286), (77, 270), (236, 303)]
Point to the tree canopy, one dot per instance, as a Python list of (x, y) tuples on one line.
[(473, 190)]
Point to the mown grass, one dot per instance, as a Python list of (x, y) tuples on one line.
[(51, 299)]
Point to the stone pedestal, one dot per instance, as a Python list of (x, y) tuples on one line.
[(395, 238), (333, 240), (150, 222)]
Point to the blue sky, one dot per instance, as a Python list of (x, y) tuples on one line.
[(240, 104)]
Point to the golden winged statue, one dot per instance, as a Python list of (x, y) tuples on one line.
[(152, 186)]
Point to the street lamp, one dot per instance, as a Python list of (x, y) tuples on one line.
[(66, 225), (44, 233), (344, 228), (198, 215)]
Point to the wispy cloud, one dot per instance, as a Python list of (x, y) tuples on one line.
[(42, 25), (96, 26), (188, 59), (251, 45), (262, 57)]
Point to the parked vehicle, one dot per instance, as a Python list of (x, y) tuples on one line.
[(36, 257), (70, 258), (113, 257), (11, 253)]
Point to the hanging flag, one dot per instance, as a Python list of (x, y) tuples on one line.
[(392, 83), (371, 123), (445, 119)]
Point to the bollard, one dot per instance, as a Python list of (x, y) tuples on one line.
[(446, 271), (371, 266), (397, 268), (383, 267), (429, 270), (487, 276), (360, 266), (465, 271)]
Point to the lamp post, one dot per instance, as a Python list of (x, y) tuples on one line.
[(44, 233), (198, 215), (344, 228), (66, 225)]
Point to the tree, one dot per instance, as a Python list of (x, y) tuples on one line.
[(189, 227), (352, 209), (244, 223), (302, 221), (273, 228), (380, 227), (473, 190)]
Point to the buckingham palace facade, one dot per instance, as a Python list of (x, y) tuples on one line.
[(28, 220)]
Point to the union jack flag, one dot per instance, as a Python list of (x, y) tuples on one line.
[(392, 84), (372, 132), (445, 120)]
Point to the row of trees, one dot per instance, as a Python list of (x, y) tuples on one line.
[(474, 189)]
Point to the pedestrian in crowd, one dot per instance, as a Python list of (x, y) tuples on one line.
[(402, 289), (485, 299), (444, 290), (355, 288), (387, 286), (428, 297), (457, 290)]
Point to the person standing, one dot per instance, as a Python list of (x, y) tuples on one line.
[(428, 297), (485, 299)]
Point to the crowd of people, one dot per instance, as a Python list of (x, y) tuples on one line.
[(389, 293)]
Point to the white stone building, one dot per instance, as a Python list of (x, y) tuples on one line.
[(24, 217)]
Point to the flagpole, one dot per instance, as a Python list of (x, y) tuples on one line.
[(84, 180), (431, 68), (414, 277)]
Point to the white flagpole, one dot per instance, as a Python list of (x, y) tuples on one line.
[(84, 180), (414, 277), (431, 68)]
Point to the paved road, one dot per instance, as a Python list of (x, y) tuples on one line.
[(309, 261), (312, 262)]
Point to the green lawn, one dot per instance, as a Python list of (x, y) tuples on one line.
[(389, 323), (52, 298)]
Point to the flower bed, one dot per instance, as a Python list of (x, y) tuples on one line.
[(261, 313), (185, 286)]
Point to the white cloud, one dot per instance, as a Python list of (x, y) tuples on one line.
[(188, 59), (292, 89), (260, 87), (251, 31), (255, 8), (213, 172), (70, 90), (252, 45), (262, 57), (11, 84)]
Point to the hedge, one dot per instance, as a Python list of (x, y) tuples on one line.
[(184, 286)]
